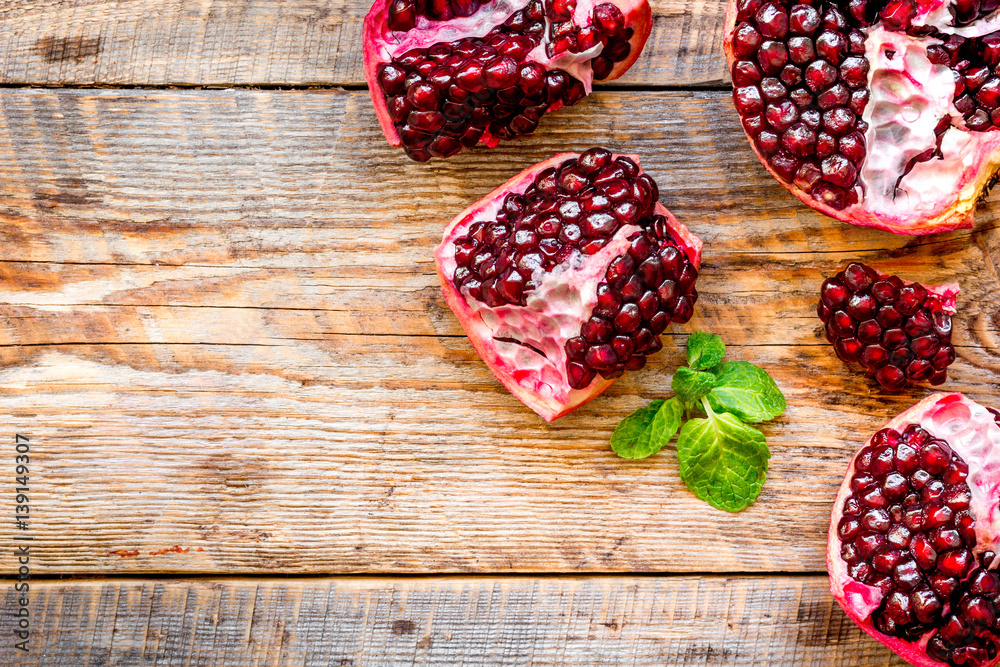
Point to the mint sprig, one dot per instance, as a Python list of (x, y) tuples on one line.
[(722, 460)]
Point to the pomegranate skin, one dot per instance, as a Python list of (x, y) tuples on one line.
[(381, 44), (544, 387), (947, 204), (973, 434)]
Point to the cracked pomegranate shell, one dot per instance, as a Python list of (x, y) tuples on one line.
[(883, 113), (565, 276), (898, 331), (913, 541), (448, 74)]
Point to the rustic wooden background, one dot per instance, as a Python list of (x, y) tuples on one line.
[(259, 436)]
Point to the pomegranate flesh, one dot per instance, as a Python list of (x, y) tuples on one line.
[(448, 74), (882, 113), (912, 550), (899, 332), (565, 276)]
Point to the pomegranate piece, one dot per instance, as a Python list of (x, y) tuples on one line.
[(883, 113), (565, 276), (913, 541), (899, 332), (448, 74)]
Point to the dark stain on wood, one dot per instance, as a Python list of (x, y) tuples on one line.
[(56, 49), (403, 626), (706, 653), (47, 200)]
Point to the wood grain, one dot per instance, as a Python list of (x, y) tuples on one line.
[(272, 43), (682, 621), (221, 328)]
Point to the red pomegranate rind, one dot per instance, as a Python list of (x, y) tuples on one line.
[(899, 331), (914, 90), (381, 45), (972, 433), (539, 381)]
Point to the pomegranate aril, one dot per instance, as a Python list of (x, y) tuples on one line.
[(926, 605), (906, 574)]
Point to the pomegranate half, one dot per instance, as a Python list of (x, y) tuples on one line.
[(448, 74), (882, 113), (565, 276), (913, 541)]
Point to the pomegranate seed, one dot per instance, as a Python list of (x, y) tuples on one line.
[(801, 50), (803, 20), (772, 56), (772, 21), (746, 40)]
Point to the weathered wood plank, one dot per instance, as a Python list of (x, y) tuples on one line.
[(272, 42), (286, 179), (379, 465), (218, 313), (782, 622)]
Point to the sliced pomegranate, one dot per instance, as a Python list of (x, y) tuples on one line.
[(913, 542), (444, 74), (898, 331), (565, 276), (877, 112)]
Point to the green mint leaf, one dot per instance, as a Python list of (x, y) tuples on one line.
[(722, 460), (627, 440), (747, 391), (705, 351), (664, 427), (691, 385)]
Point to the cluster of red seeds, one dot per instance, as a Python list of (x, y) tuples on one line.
[(403, 14), (569, 212), (974, 62), (800, 83), (448, 95), (907, 530), (607, 28), (898, 15), (800, 86), (976, 67), (897, 332)]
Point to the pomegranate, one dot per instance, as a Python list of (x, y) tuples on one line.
[(877, 112), (565, 276), (444, 74), (898, 331), (912, 550)]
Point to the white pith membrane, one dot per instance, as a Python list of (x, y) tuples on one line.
[(973, 434), (909, 96)]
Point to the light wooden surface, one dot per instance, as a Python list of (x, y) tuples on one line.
[(215, 320), (221, 327), (649, 621), (273, 43)]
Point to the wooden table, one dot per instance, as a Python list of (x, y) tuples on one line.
[(259, 436)]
